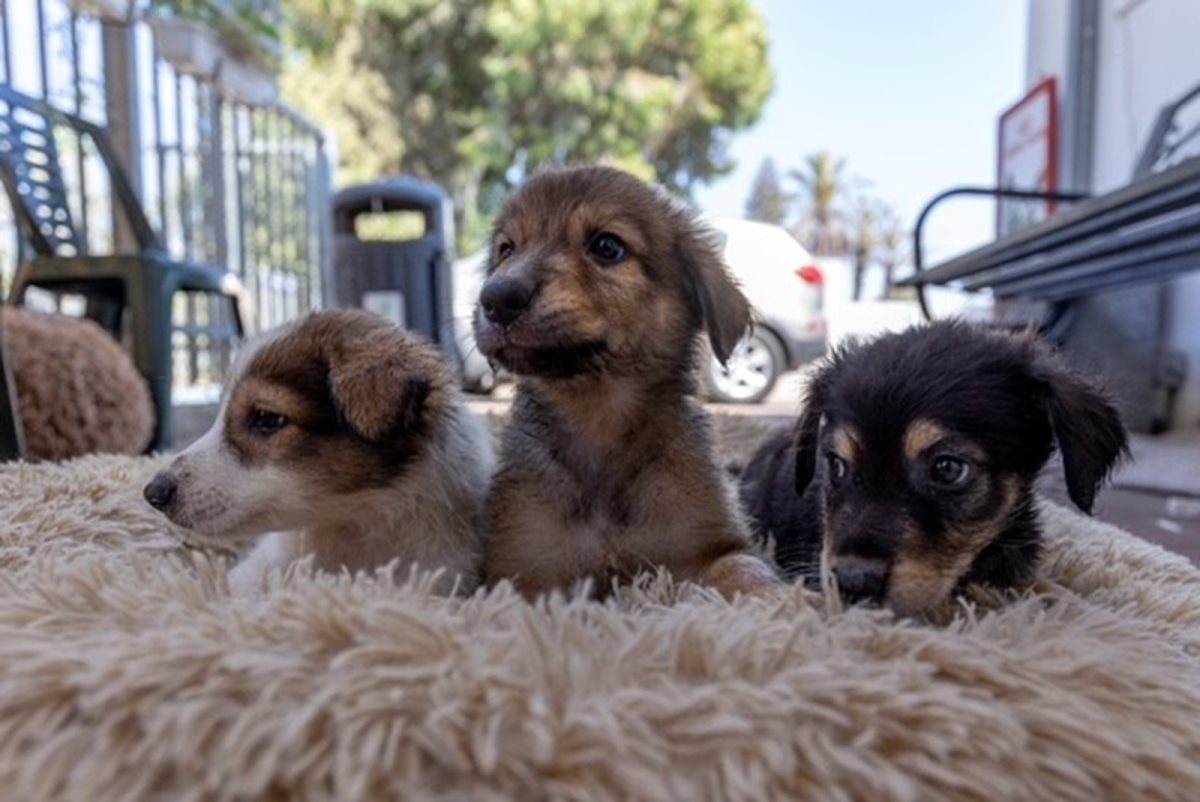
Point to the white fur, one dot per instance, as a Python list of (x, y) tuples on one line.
[(431, 516)]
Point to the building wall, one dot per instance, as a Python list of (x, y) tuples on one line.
[(1148, 56), (1045, 45)]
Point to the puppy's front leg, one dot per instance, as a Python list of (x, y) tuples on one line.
[(739, 572), (273, 550)]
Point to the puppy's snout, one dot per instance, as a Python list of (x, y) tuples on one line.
[(505, 299), (860, 581), (161, 491)]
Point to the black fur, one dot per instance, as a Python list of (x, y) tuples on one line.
[(1007, 400)]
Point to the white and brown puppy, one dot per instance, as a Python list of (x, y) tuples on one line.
[(598, 289), (341, 436)]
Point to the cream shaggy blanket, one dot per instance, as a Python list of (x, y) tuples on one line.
[(128, 672)]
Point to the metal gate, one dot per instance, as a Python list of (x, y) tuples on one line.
[(239, 184)]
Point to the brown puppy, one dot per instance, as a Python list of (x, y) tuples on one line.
[(343, 437), (598, 288)]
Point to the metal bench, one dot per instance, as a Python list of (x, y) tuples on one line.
[(1146, 231), (124, 292)]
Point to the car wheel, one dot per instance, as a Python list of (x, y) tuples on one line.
[(751, 372)]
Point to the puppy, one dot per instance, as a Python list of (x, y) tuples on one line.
[(911, 471), (598, 288), (340, 436)]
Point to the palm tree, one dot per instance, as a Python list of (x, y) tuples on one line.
[(866, 241), (821, 226), (893, 245)]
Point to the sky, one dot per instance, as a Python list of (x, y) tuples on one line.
[(907, 91)]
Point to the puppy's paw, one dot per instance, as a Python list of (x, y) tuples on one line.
[(246, 579), (742, 573), (273, 551)]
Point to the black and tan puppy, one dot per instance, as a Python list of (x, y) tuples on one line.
[(911, 471), (598, 289)]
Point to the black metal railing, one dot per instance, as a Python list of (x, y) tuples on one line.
[(242, 185)]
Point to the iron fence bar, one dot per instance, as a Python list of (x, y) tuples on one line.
[(301, 212), (270, 187), (160, 150), (305, 237), (203, 181), (255, 212), (187, 223), (217, 180), (43, 64), (300, 120), (80, 156), (6, 63), (294, 222), (275, 217), (323, 228), (184, 199), (213, 313), (239, 172)]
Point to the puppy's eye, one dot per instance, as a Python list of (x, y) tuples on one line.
[(837, 468), (265, 422), (607, 249), (504, 249), (949, 471)]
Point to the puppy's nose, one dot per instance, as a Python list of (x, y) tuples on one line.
[(160, 492), (859, 582), (505, 299)]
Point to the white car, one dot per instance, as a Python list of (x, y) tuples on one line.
[(467, 278), (775, 272), (785, 287)]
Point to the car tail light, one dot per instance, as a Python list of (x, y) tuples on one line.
[(811, 274)]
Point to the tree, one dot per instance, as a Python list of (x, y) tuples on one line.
[(893, 246), (865, 242), (474, 93), (768, 201), (823, 187)]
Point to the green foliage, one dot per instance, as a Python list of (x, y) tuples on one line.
[(474, 93), (768, 201)]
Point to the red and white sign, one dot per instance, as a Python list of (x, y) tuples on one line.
[(1027, 157)]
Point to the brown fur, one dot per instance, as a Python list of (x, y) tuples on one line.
[(920, 436), (846, 443), (376, 459), (365, 382), (607, 466)]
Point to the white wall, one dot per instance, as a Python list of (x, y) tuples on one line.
[(1046, 40), (1148, 55)]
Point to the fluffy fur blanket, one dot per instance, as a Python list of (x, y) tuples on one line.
[(128, 672), (78, 391)]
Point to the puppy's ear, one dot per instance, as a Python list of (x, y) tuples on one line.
[(808, 432), (377, 389), (1087, 428), (725, 310)]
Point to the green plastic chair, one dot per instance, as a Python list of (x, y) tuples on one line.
[(122, 291), (12, 439)]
